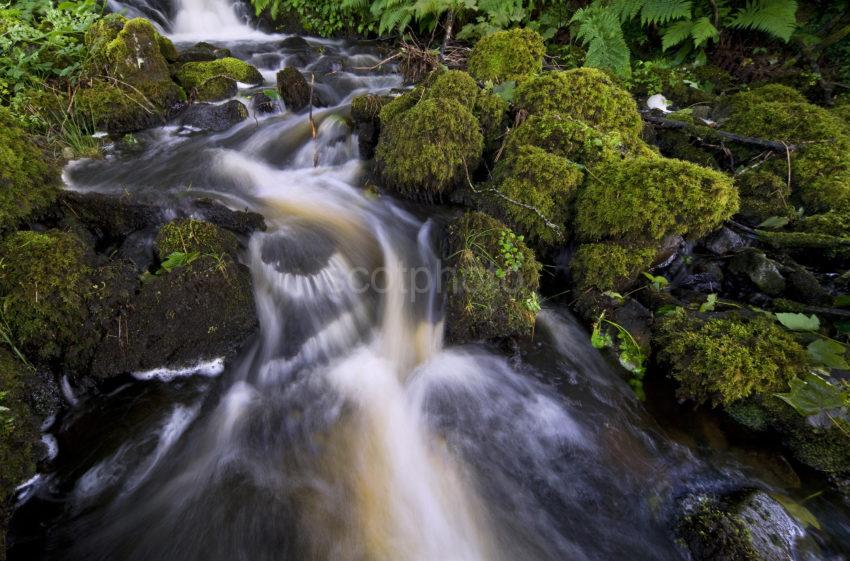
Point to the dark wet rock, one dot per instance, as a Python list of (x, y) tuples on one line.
[(745, 526), (267, 61), (108, 217), (203, 52), (261, 103), (724, 241), (137, 248), (293, 88), (200, 311), (295, 43), (804, 287), (636, 319), (237, 221), (328, 64), (762, 271), (364, 113), (214, 118)]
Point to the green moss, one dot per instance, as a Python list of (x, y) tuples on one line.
[(29, 181), (585, 94), (430, 148), (43, 284), (398, 105), (366, 108), (724, 360), (18, 434), (492, 293), (98, 36), (456, 85), (565, 136), (193, 74), (764, 194), (188, 236), (843, 113), (507, 55), (834, 223), (609, 266), (710, 532), (134, 55), (116, 109), (216, 88), (490, 110), (768, 93), (791, 122), (822, 174), (531, 177), (646, 199)]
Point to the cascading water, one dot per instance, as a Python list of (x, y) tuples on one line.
[(347, 431)]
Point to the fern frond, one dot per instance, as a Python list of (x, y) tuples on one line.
[(599, 30), (774, 17), (699, 30), (627, 9), (662, 11)]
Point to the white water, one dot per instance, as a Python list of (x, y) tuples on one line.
[(199, 20)]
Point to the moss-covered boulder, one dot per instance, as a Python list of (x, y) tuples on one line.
[(293, 88), (646, 199), (764, 194), (491, 112), (194, 236), (199, 307), (365, 111), (44, 285), (492, 289), (455, 85), (534, 191), (821, 169), (430, 148), (18, 435), (216, 88), (129, 86), (214, 118), (609, 266), (29, 180), (585, 94), (193, 74), (767, 93), (507, 55), (723, 360)]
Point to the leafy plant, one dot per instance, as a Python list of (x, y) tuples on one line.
[(511, 257), (799, 322), (601, 32), (812, 395), (658, 282), (630, 353)]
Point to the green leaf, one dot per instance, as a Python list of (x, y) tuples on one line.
[(178, 259), (506, 90), (812, 395), (709, 304), (828, 353), (616, 296), (774, 17), (775, 222), (598, 338), (798, 322)]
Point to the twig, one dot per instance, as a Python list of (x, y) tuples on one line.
[(773, 145), (313, 130)]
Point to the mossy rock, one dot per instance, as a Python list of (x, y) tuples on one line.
[(609, 266), (833, 223), (29, 180), (456, 85), (843, 113), (190, 236), (135, 54), (430, 148), (535, 191), (293, 88), (399, 104), (764, 194), (193, 74), (18, 434), (491, 112), (216, 88), (585, 94), (515, 55), (119, 110), (44, 284), (646, 199), (564, 136), (821, 171), (492, 292), (723, 360), (366, 108), (767, 93)]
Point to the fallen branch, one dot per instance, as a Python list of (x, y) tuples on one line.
[(695, 131)]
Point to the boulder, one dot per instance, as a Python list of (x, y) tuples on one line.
[(195, 74), (216, 88), (202, 52), (293, 88), (262, 103), (724, 241), (762, 271), (214, 118)]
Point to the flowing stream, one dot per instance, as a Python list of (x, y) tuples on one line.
[(347, 431)]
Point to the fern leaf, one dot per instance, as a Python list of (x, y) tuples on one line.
[(627, 9), (703, 30), (600, 31), (662, 11), (676, 33), (775, 17)]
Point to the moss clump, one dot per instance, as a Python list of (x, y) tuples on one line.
[(18, 434), (216, 88), (609, 266), (189, 236), (531, 177), (834, 223), (134, 54), (764, 194), (585, 94), (398, 105), (493, 289), (121, 110), (456, 85), (646, 199), (490, 110), (710, 532), (366, 108), (193, 74), (43, 284), (565, 136), (767, 93), (724, 360), (29, 181), (429, 148), (821, 172), (843, 113), (507, 55)]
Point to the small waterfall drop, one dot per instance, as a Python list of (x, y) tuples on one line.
[(197, 20)]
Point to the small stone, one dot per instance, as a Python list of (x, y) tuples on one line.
[(724, 241), (762, 271)]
